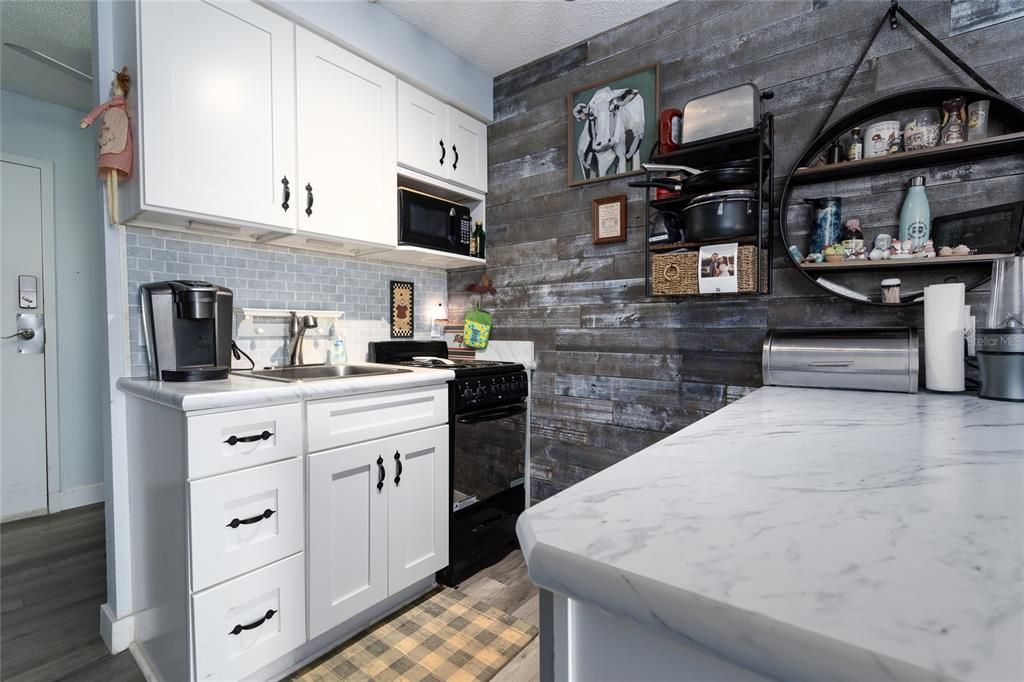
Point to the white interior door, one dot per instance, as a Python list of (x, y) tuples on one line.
[(218, 124), (27, 207), (346, 143)]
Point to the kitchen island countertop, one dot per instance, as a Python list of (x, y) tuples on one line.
[(239, 390), (811, 535)]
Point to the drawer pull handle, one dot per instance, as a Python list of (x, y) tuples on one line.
[(380, 473), (237, 630), (398, 467), (267, 513), (235, 440)]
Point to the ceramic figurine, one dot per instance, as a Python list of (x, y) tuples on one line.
[(115, 138), (835, 253), (946, 251), (815, 258), (883, 241), (876, 254), (928, 250), (962, 250), (860, 253)]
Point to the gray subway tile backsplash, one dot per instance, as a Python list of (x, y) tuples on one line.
[(276, 276)]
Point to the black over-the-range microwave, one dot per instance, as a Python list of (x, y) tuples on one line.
[(432, 222)]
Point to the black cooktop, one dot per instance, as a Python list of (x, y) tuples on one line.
[(434, 354)]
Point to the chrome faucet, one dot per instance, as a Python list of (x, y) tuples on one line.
[(296, 333)]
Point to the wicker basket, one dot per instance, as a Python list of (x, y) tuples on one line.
[(675, 274)]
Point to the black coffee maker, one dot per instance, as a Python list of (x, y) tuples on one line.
[(187, 329)]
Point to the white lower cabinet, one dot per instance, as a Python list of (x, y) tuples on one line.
[(251, 621), (377, 522)]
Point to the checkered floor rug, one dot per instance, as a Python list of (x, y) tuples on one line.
[(443, 636)]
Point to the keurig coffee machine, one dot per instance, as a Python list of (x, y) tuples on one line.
[(187, 325), (1000, 345)]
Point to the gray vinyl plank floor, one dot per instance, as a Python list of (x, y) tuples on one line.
[(53, 579)]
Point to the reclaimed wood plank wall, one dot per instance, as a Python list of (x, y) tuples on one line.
[(618, 371)]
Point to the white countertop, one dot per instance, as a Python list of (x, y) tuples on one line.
[(811, 535), (242, 391)]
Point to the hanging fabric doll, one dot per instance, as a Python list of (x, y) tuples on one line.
[(115, 138)]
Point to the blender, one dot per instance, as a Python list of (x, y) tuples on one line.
[(1000, 346)]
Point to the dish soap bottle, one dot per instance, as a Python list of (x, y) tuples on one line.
[(916, 216), (337, 354)]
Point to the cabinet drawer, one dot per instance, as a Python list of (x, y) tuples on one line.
[(244, 624), (228, 441), (244, 520), (343, 421)]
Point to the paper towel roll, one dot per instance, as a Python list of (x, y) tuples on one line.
[(944, 337)]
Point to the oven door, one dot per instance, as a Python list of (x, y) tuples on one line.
[(488, 453), (432, 223)]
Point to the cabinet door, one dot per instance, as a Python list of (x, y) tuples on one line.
[(469, 150), (346, 139), (218, 125), (417, 506), (348, 543), (423, 142)]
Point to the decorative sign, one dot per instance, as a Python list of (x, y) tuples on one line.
[(402, 313), (609, 219), (717, 264)]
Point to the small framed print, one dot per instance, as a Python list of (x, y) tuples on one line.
[(402, 312), (609, 218)]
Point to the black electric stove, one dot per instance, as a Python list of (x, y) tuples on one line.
[(487, 451)]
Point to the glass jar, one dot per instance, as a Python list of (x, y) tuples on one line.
[(921, 129)]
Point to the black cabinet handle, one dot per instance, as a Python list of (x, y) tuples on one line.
[(286, 192), (236, 522), (237, 630), (442, 152), (235, 440), (398, 467), (309, 199), (380, 473), (455, 164)]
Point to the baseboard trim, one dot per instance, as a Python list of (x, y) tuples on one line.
[(117, 633), (145, 667), (82, 496)]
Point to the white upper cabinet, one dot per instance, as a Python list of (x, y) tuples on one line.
[(217, 130), (422, 131), (346, 144), (440, 140), (469, 150)]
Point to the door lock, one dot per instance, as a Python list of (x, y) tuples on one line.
[(23, 334), (29, 333)]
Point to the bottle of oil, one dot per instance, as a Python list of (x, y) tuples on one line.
[(479, 239)]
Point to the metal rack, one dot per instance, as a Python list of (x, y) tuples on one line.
[(759, 142)]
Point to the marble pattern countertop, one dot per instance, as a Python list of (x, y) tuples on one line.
[(811, 535), (509, 351), (242, 391)]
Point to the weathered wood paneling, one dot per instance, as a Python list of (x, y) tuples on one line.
[(618, 371)]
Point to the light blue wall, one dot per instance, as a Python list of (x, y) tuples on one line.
[(40, 130), (397, 45)]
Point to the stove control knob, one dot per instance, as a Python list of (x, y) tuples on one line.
[(467, 394)]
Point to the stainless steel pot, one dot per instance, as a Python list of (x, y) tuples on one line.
[(722, 215), (861, 359)]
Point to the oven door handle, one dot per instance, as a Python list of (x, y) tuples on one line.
[(491, 415)]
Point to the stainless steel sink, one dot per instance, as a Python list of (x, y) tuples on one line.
[(319, 372)]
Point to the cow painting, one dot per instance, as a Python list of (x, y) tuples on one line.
[(613, 129)]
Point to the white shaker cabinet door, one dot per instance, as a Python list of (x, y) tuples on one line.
[(348, 543), (423, 142), (218, 125), (469, 150), (346, 143), (418, 502)]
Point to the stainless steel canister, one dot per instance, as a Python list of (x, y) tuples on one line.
[(860, 359)]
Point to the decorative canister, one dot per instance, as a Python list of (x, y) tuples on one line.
[(921, 130), (828, 221), (953, 120), (879, 136)]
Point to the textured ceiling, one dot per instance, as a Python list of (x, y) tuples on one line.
[(499, 35), (60, 29)]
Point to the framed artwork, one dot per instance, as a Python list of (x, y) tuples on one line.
[(609, 219), (613, 125), (402, 312)]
